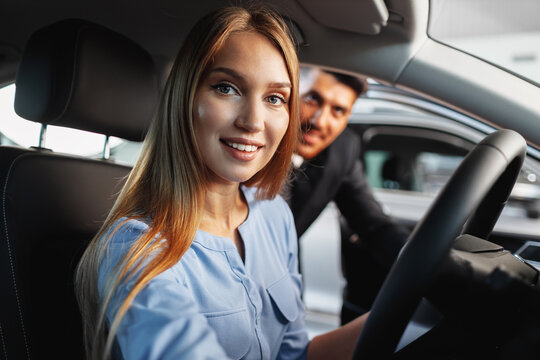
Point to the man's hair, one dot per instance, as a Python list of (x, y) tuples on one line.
[(357, 84)]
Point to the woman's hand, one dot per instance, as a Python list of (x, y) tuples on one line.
[(339, 343)]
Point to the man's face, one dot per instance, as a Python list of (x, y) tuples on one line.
[(324, 111)]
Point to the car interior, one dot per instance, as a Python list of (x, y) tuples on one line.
[(81, 75), (99, 66)]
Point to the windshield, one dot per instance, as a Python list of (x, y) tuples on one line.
[(502, 32)]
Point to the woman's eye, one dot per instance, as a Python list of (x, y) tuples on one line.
[(276, 100), (224, 89)]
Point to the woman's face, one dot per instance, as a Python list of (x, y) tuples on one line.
[(241, 107)]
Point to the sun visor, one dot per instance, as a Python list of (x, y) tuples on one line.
[(360, 16)]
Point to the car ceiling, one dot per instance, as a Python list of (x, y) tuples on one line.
[(384, 39), (159, 26)]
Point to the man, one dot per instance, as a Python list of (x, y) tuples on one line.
[(329, 169)]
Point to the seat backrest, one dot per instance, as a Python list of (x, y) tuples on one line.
[(80, 75)]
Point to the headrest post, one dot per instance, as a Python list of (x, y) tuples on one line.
[(42, 135), (106, 149)]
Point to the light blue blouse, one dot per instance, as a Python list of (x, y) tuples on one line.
[(211, 305)]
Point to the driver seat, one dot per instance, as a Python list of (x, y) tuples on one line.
[(79, 75)]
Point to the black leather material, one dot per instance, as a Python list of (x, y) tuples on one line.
[(78, 75), (84, 76), (51, 207), (12, 335)]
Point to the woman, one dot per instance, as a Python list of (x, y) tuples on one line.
[(197, 258)]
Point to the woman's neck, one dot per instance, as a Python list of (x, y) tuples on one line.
[(225, 208)]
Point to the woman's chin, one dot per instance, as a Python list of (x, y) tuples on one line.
[(231, 178)]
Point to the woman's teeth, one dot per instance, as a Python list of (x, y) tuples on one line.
[(243, 147)]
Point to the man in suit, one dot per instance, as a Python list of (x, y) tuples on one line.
[(328, 168)]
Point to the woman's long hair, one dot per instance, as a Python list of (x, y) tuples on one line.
[(167, 184)]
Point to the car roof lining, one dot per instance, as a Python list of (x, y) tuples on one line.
[(410, 58)]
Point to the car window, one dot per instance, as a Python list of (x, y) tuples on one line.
[(428, 171), (16, 131), (412, 146), (424, 172)]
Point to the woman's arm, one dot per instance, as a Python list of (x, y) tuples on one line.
[(163, 321), (337, 344)]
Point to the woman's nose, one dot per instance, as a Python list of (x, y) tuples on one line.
[(251, 117)]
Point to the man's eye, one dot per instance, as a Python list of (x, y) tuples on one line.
[(276, 100), (310, 99), (339, 111)]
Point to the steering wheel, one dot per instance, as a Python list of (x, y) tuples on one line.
[(477, 192)]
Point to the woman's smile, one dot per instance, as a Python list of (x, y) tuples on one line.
[(242, 150)]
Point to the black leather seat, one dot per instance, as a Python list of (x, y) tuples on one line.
[(80, 75)]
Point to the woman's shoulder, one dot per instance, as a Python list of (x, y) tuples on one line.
[(125, 230)]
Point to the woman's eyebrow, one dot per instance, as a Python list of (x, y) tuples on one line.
[(277, 85), (235, 74), (228, 71)]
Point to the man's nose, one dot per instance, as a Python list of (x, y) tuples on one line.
[(320, 117), (251, 116)]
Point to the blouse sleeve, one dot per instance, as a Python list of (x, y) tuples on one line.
[(295, 341), (163, 321)]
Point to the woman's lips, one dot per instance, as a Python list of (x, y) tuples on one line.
[(242, 147), (241, 150)]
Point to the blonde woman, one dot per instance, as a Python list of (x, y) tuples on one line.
[(198, 257)]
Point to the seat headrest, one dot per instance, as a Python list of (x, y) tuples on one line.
[(81, 75)]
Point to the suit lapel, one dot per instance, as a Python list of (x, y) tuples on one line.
[(312, 190)]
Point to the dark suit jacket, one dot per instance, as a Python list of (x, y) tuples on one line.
[(337, 174)]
